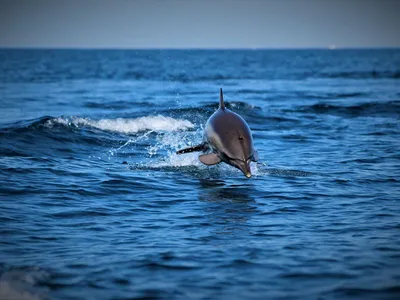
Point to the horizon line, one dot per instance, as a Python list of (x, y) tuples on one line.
[(330, 48)]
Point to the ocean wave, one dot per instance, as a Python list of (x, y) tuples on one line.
[(200, 114), (49, 135), (331, 95), (114, 105), (158, 123), (363, 74), (391, 108), (210, 107)]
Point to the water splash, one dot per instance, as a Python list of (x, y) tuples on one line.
[(162, 152), (131, 141), (171, 142)]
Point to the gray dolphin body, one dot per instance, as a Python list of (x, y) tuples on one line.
[(226, 138)]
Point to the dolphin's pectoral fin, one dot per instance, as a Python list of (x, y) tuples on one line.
[(210, 159), (255, 156), (201, 147)]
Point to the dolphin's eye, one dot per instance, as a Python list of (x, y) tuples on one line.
[(241, 138)]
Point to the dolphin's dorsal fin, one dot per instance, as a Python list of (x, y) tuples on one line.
[(221, 99)]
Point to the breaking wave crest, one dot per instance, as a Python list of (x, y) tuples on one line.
[(127, 126)]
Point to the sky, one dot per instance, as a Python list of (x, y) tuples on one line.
[(199, 24)]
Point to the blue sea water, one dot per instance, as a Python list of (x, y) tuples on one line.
[(95, 204)]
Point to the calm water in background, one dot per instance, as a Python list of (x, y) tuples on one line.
[(320, 218)]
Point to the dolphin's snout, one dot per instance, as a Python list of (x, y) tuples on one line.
[(245, 168)]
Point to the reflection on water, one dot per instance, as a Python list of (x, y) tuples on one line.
[(229, 207), (217, 190)]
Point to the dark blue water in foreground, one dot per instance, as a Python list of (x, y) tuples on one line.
[(320, 218)]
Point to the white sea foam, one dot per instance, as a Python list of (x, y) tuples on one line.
[(128, 126)]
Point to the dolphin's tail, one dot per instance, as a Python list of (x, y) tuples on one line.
[(221, 99), (201, 147)]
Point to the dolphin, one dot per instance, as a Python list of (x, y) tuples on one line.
[(227, 138)]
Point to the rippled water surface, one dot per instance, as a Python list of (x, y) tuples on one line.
[(95, 204)]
